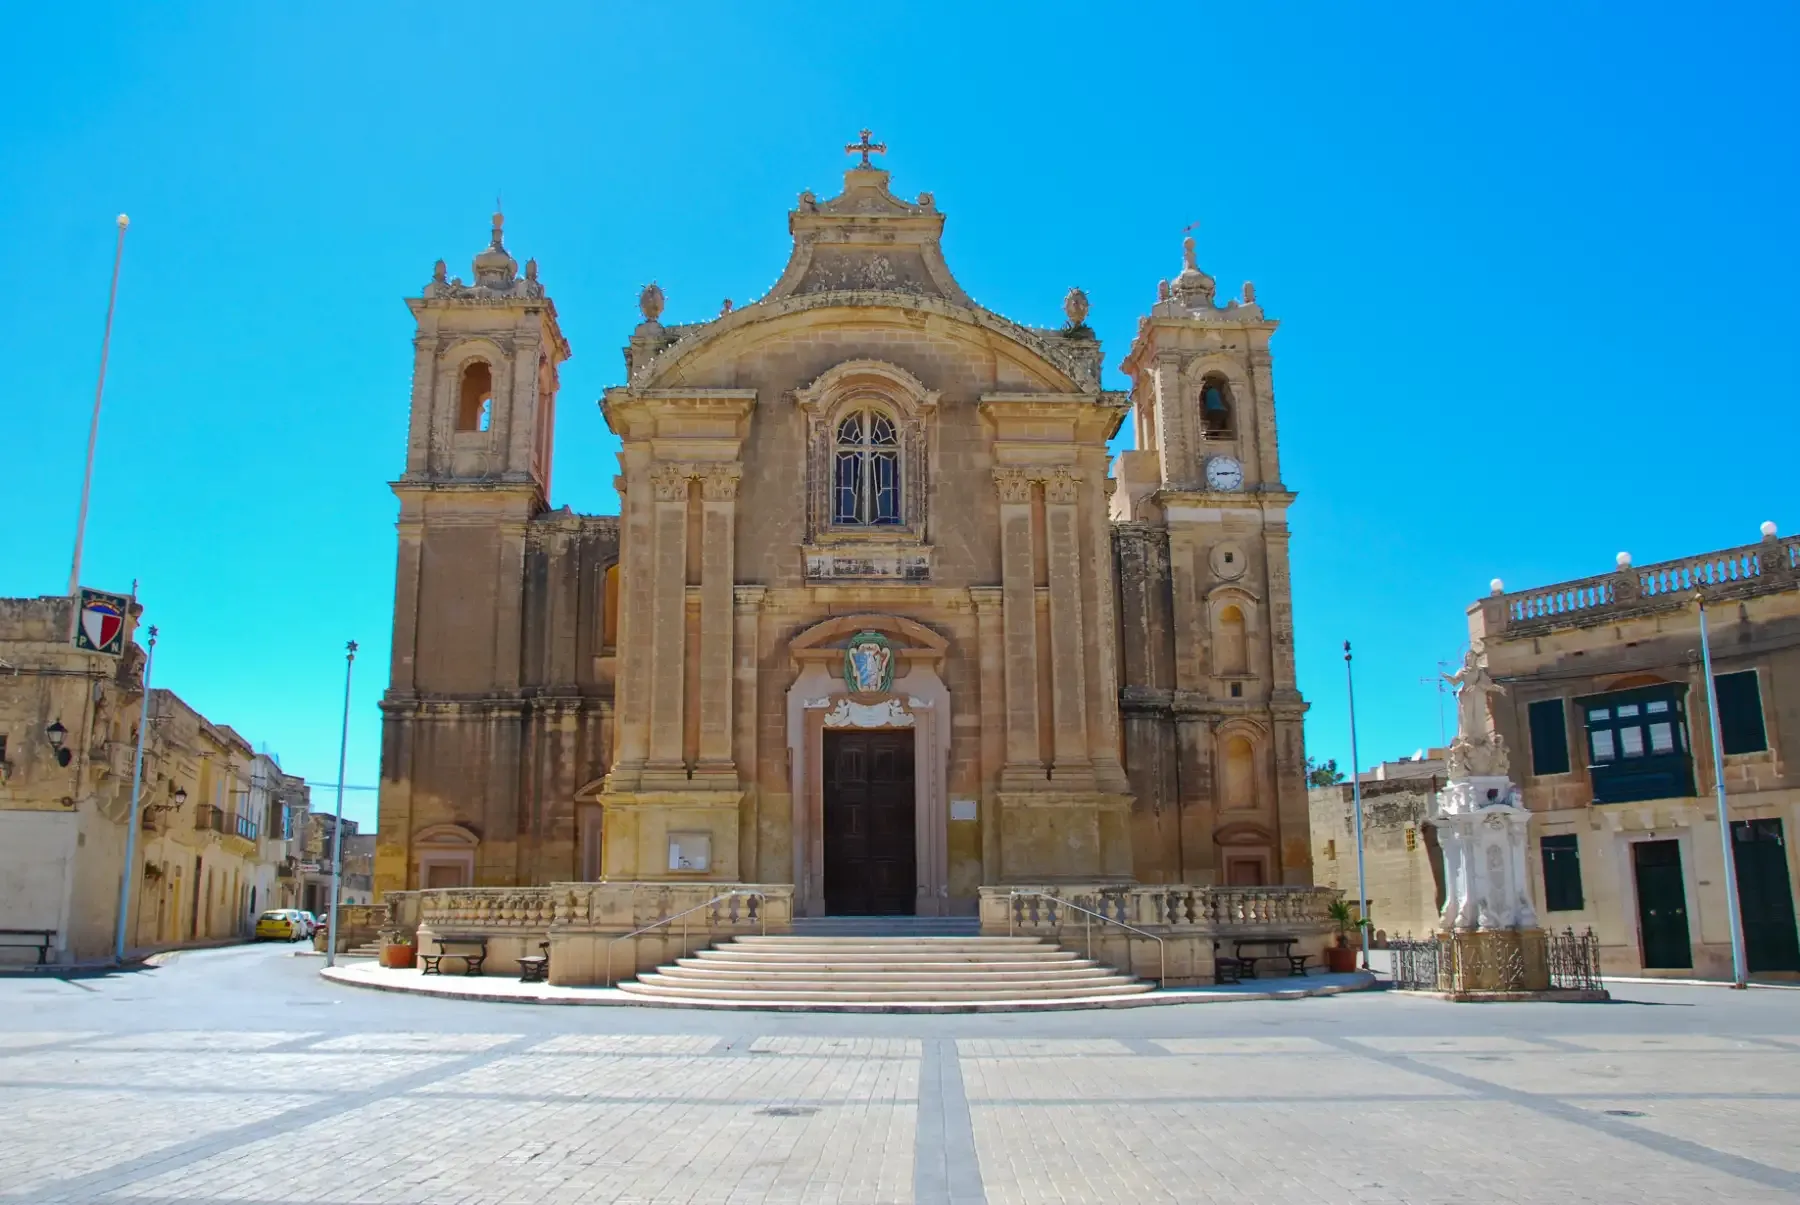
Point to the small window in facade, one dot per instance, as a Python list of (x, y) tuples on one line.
[(866, 471), (1215, 409), (475, 405), (1549, 737), (1562, 873), (1231, 649), (1740, 712)]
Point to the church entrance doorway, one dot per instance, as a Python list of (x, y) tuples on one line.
[(871, 865)]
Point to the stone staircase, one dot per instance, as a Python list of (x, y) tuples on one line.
[(881, 969)]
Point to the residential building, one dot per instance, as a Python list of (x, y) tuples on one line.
[(1403, 866), (875, 620), (1607, 716), (356, 883)]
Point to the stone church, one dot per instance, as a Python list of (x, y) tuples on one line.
[(875, 620)]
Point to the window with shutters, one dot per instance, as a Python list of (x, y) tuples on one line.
[(1637, 743), (1549, 737), (1740, 712), (1562, 873)]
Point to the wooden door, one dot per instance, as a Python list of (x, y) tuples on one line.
[(1765, 898), (1662, 904), (870, 856)]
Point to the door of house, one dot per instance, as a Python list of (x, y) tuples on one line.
[(1765, 898), (870, 866), (1662, 904)]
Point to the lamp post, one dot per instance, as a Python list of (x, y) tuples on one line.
[(1738, 979), (337, 826), (137, 787), (1362, 891)]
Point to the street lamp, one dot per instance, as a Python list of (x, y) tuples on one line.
[(337, 827), (1738, 979), (56, 734), (1362, 890), (180, 796)]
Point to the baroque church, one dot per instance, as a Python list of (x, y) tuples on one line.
[(877, 618)]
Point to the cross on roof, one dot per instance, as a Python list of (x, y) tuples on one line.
[(867, 148)]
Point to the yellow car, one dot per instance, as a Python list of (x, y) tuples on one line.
[(282, 923)]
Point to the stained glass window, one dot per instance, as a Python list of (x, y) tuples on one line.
[(866, 472)]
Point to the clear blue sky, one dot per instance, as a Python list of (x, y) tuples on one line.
[(1535, 267)]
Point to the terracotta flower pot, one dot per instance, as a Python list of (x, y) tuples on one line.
[(399, 956), (1340, 960)]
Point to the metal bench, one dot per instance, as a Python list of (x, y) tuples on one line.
[(1282, 947), (535, 968), (468, 947), (40, 938)]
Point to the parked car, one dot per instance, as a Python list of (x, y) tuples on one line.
[(313, 923), (282, 924)]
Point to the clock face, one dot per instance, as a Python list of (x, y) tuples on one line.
[(1224, 473)]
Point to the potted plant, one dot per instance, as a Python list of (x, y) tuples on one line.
[(399, 949), (1340, 957)]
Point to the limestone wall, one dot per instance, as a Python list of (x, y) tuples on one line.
[(1403, 867)]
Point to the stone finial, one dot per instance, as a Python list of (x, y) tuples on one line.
[(926, 200), (531, 270), (1075, 307), (808, 199), (1249, 292), (1162, 290), (1497, 587), (1189, 259), (1768, 529), (650, 302), (1623, 560), (725, 308), (439, 272), (499, 226)]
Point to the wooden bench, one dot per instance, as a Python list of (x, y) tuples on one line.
[(40, 938), (535, 968), (1282, 949), (470, 948)]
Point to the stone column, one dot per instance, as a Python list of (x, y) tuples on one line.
[(631, 683), (1019, 617), (717, 681), (668, 618), (748, 601), (1102, 612), (1068, 683)]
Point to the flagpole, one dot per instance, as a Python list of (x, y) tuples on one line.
[(337, 827), (1362, 890), (87, 476), (137, 785)]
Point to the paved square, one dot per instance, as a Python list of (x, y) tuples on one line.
[(236, 1077)]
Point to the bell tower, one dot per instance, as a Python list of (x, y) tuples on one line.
[(1212, 713), (478, 451)]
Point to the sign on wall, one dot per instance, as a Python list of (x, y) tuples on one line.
[(100, 622)]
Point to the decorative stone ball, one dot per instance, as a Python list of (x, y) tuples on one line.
[(926, 200), (1075, 306), (1768, 529), (650, 302), (1497, 586), (1623, 560)]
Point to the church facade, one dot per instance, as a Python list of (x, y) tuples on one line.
[(875, 619)]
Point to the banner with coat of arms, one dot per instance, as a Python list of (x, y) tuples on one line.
[(100, 622)]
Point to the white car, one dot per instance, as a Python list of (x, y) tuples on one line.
[(311, 921)]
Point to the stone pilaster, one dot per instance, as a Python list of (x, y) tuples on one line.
[(667, 614), (1068, 677), (1024, 763), (1262, 383), (719, 488), (1179, 466)]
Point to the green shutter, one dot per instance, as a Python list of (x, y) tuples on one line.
[(1549, 737), (1562, 873), (1740, 712)]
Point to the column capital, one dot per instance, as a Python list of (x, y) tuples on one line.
[(670, 480), (719, 482), (1061, 487), (1013, 483)]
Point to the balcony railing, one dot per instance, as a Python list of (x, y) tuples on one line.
[(209, 819), (1745, 571), (242, 826)]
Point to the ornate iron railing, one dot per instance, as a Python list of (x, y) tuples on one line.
[(1574, 960), (1417, 965)]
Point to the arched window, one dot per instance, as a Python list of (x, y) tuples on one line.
[(1238, 774), (1229, 649), (475, 406), (866, 471), (1215, 409)]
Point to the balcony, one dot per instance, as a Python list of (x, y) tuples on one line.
[(287, 868), (1747, 571), (209, 819)]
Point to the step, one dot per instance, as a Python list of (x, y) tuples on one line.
[(1049, 957), (899, 979), (896, 926), (657, 986), (1001, 971)]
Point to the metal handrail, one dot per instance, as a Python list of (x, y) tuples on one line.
[(1162, 950), (762, 918)]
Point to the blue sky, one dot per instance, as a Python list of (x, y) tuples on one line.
[(1535, 269)]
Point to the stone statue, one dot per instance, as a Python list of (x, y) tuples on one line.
[(1474, 718)]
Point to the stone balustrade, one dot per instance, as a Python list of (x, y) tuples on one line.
[(1178, 924), (1730, 573), (587, 924)]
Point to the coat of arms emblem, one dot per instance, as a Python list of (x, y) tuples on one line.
[(100, 622), (869, 664)]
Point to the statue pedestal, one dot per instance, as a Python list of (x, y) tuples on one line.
[(1481, 827), (1482, 961)]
